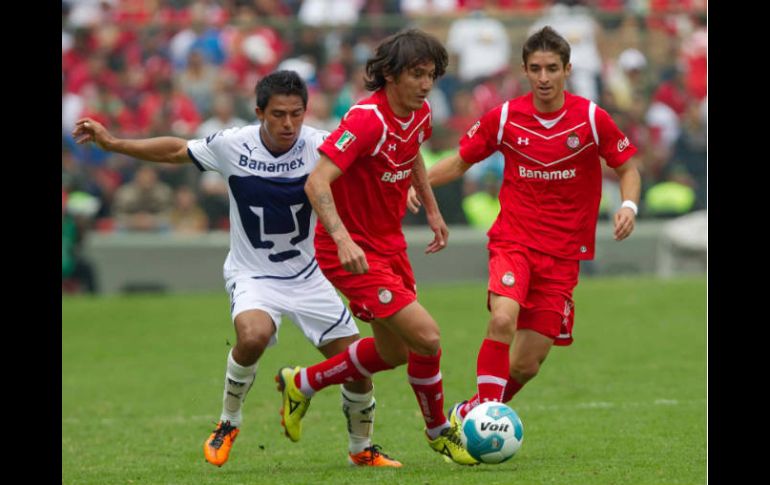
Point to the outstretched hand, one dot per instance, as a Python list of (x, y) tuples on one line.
[(89, 130)]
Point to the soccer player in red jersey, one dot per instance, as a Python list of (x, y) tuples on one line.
[(359, 189), (552, 142)]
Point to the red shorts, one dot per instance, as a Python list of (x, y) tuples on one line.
[(540, 283), (386, 288)]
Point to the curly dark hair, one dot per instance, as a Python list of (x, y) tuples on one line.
[(401, 51)]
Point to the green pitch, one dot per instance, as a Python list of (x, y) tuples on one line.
[(625, 404)]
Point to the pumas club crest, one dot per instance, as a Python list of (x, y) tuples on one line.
[(573, 141)]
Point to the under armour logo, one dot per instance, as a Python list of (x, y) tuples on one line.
[(391, 147), (523, 141)]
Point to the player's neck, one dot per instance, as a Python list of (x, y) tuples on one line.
[(551, 106), (273, 150)]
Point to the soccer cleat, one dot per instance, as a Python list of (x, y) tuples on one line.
[(294, 405), (455, 420), (448, 443), (216, 449), (373, 456)]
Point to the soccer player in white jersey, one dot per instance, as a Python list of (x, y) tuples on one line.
[(271, 269)]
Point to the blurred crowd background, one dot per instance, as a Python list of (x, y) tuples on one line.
[(188, 68)]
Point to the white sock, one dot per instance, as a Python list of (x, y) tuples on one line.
[(238, 381), (359, 411)]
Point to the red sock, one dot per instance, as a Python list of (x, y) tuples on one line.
[(511, 389), (359, 360), (492, 370), (425, 378)]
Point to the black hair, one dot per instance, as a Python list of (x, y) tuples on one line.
[(280, 82)]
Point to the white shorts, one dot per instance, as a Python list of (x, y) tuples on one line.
[(311, 303)]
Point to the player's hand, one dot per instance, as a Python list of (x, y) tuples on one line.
[(440, 232), (624, 223), (413, 201), (88, 130), (352, 257)]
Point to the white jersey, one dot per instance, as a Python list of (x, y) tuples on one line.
[(272, 223)]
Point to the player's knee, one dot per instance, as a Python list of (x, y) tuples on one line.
[(524, 370), (501, 327), (255, 339), (427, 341)]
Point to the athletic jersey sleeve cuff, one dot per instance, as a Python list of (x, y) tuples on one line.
[(324, 150), (194, 160), (622, 158)]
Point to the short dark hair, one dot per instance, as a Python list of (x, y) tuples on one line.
[(280, 82), (404, 50), (546, 40)]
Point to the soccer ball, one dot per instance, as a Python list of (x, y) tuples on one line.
[(492, 432)]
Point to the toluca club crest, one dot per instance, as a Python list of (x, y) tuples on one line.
[(573, 141)]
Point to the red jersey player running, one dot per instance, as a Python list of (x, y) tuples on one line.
[(358, 189), (551, 141)]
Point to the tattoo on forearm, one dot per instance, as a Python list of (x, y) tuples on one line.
[(327, 212)]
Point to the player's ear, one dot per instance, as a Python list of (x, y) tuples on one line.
[(260, 114), (568, 69)]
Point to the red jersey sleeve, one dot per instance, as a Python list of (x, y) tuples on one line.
[(614, 146), (360, 133), (480, 141)]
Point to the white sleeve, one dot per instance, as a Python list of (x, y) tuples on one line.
[(206, 153), (203, 154)]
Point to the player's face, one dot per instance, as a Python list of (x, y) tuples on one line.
[(281, 121), (408, 91), (547, 76)]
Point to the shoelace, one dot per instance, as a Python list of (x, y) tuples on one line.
[(220, 434), (452, 435), (374, 451)]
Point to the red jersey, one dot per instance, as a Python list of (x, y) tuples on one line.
[(376, 151), (552, 182)]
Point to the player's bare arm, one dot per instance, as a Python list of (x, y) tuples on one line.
[(319, 192), (432, 211), (630, 188), (163, 149), (445, 171)]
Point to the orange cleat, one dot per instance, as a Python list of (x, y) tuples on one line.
[(373, 456), (216, 449)]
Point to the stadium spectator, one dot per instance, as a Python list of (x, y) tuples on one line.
[(144, 203), (77, 272), (477, 33), (214, 200), (186, 216), (199, 81), (372, 159), (270, 270), (552, 141), (223, 116)]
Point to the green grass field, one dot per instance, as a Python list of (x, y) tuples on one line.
[(625, 404)]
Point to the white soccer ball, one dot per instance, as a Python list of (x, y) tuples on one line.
[(492, 432)]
